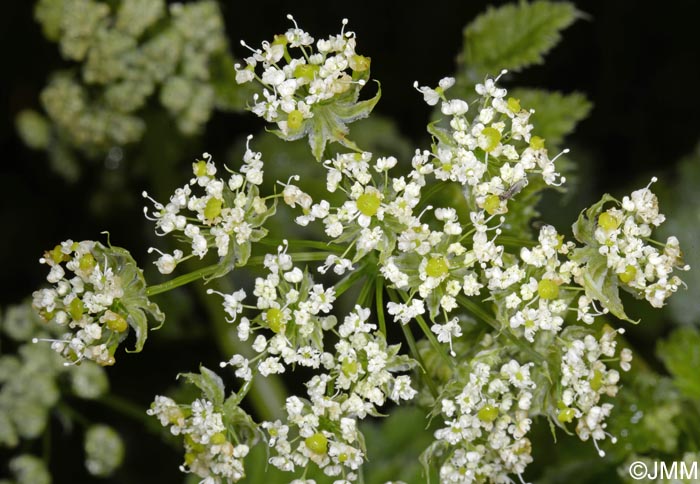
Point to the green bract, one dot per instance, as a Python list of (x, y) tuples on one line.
[(97, 313)]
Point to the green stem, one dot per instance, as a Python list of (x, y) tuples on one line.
[(302, 244), (475, 309), (365, 297), (515, 241), (426, 330), (379, 300), (181, 280), (296, 257), (416, 354), (73, 414), (348, 281), (129, 409), (267, 395), (427, 194)]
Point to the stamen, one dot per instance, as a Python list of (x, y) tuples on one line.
[(503, 73), (563, 152), (600, 452), (254, 51), (153, 249), (156, 204), (429, 207), (290, 17)]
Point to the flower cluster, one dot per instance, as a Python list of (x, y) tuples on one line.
[(377, 209), (294, 313), (623, 233), (493, 152), (313, 94), (359, 379), (97, 293), (585, 378), (314, 76), (489, 418), (227, 216), (210, 452), (124, 61)]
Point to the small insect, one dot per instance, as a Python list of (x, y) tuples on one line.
[(513, 190)]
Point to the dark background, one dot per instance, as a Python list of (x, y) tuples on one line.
[(638, 62)]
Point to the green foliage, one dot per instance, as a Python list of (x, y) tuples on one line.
[(210, 384), (681, 355), (514, 36), (134, 304), (683, 221), (556, 114)]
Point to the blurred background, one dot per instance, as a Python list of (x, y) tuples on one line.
[(637, 63)]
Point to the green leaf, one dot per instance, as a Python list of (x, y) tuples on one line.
[(600, 282), (584, 228), (652, 404), (683, 221), (514, 36), (330, 119), (681, 355), (210, 383), (556, 114)]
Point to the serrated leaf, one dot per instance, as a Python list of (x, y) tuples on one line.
[(599, 282), (556, 114), (681, 355), (515, 36), (211, 384)]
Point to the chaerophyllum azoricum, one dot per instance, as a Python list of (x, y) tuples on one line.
[(396, 297)]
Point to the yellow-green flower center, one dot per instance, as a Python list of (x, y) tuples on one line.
[(566, 415), (608, 221), (295, 120), (437, 267), (317, 443), (629, 274), (493, 137), (536, 143), (368, 204), (275, 319), (213, 208), (306, 71), (488, 413), (491, 204), (514, 104), (547, 289)]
